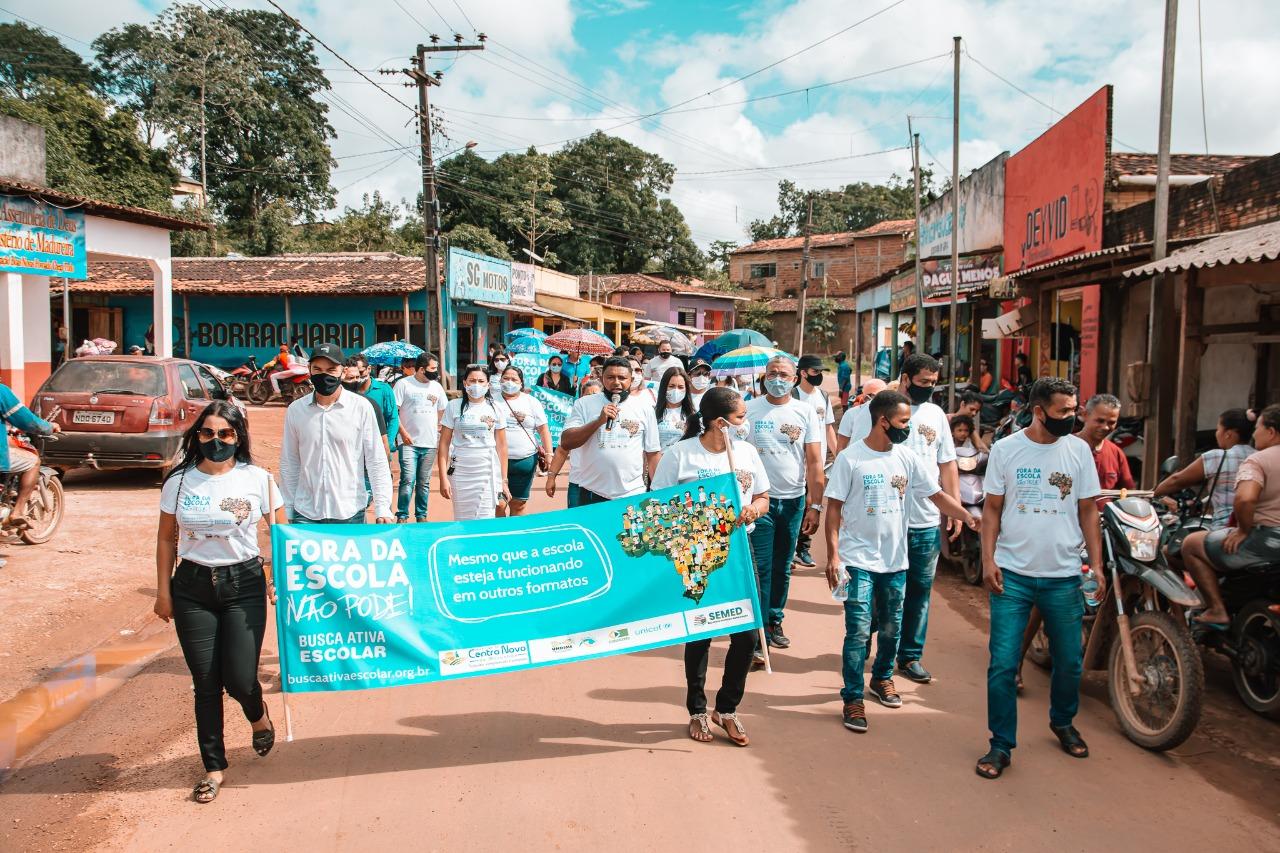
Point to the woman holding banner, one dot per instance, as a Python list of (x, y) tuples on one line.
[(707, 448), (674, 406), (473, 446), (525, 455), (210, 506), (554, 376)]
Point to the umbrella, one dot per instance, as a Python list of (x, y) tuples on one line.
[(516, 334), (391, 352), (581, 341), (654, 335), (731, 340), (746, 361), (529, 345)]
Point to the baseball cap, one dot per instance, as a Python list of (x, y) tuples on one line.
[(810, 362), (699, 362), (330, 351)]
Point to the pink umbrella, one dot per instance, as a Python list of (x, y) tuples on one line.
[(580, 341)]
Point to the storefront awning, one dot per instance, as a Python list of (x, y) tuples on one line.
[(1018, 323), (516, 308), (1250, 245)]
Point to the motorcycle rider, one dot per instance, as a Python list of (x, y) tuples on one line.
[(1217, 467), (1255, 538), (16, 460)]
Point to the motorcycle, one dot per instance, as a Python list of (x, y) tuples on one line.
[(47, 503), (1252, 595), (291, 388), (242, 377), (996, 407), (1139, 632), (966, 551)]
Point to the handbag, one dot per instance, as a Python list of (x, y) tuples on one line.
[(543, 462)]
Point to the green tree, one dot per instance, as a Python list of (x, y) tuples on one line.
[(471, 192), (535, 214), (851, 208), (718, 254), (473, 238), (93, 151), (126, 70), (29, 55), (820, 321), (372, 227), (756, 316)]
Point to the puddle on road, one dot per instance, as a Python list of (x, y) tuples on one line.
[(37, 712)]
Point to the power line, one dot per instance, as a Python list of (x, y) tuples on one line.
[(467, 17), (43, 27), (799, 165)]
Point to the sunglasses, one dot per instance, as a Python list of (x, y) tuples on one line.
[(206, 434)]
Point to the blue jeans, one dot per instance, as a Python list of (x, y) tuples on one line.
[(773, 544), (883, 592), (415, 480), (1062, 606), (923, 545)]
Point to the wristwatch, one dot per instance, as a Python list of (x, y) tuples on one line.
[(815, 507)]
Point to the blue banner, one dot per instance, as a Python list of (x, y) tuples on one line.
[(478, 277), (363, 606), (38, 238), (557, 405)]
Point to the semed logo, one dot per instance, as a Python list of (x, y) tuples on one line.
[(722, 615)]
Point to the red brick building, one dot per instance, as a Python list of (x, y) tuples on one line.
[(841, 263)]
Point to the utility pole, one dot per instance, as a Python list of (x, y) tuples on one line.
[(955, 227), (1160, 320), (430, 204), (915, 170), (804, 279)]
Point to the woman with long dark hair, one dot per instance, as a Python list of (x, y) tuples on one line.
[(554, 376), (674, 407), (472, 456), (210, 506), (707, 450), (528, 436)]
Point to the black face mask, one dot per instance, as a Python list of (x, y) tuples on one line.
[(1059, 427), (814, 380), (325, 384), (217, 451), (353, 386), (918, 394), (897, 435), (432, 375)]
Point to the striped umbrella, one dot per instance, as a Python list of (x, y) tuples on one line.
[(747, 361), (729, 341), (580, 341)]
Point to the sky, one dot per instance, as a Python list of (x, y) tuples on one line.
[(738, 96)]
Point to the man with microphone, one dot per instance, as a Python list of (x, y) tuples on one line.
[(616, 436)]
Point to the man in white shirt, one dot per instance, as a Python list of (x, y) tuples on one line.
[(655, 368), (930, 440), (869, 497), (1041, 484), (786, 433), (420, 400), (809, 390), (331, 444), (617, 435)]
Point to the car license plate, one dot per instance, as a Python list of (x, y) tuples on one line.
[(93, 417)]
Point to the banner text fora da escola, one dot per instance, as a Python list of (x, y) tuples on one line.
[(362, 606)]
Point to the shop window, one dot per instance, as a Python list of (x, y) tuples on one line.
[(819, 269), (687, 316), (764, 270)]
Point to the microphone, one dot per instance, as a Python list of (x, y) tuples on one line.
[(614, 398)]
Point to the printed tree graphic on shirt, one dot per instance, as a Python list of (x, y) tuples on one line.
[(693, 534)]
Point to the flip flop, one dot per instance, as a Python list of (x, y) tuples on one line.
[(997, 760), (206, 790), (1072, 743)]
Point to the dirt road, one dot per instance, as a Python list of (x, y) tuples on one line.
[(593, 755)]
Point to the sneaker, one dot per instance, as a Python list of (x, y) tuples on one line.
[(886, 693), (757, 660), (803, 558), (914, 671), (855, 717), (776, 638)]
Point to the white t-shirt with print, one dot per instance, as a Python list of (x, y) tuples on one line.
[(876, 488), (420, 405), (930, 440), (612, 460), (218, 513), (671, 426), (687, 461), (821, 402), (780, 434), (524, 417), (656, 367), (1042, 485), (475, 430)]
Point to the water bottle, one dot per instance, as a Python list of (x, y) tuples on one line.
[(841, 592), (1089, 586)]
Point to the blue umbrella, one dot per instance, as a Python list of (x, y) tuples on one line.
[(729, 341), (516, 334), (391, 352), (530, 345)]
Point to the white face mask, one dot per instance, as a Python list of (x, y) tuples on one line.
[(476, 390), (510, 387), (675, 396), (500, 363), (700, 383), (636, 383)]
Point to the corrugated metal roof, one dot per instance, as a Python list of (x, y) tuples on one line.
[(1250, 245), (1124, 249)]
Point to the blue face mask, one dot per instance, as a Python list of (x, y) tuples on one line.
[(778, 387)]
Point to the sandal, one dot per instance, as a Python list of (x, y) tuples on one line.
[(997, 760), (1072, 743), (265, 739), (738, 734), (206, 790), (699, 730)]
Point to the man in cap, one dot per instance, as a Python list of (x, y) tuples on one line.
[(331, 445), (699, 379)]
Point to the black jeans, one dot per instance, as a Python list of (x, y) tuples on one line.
[(220, 615), (736, 666)]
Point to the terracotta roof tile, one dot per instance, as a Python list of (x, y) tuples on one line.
[(105, 209), (376, 274), (644, 283), (1125, 163), (841, 238)]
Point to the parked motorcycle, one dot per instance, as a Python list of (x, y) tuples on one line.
[(291, 388), (966, 551), (47, 504), (996, 407), (242, 377)]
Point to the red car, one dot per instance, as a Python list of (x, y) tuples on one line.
[(121, 411)]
